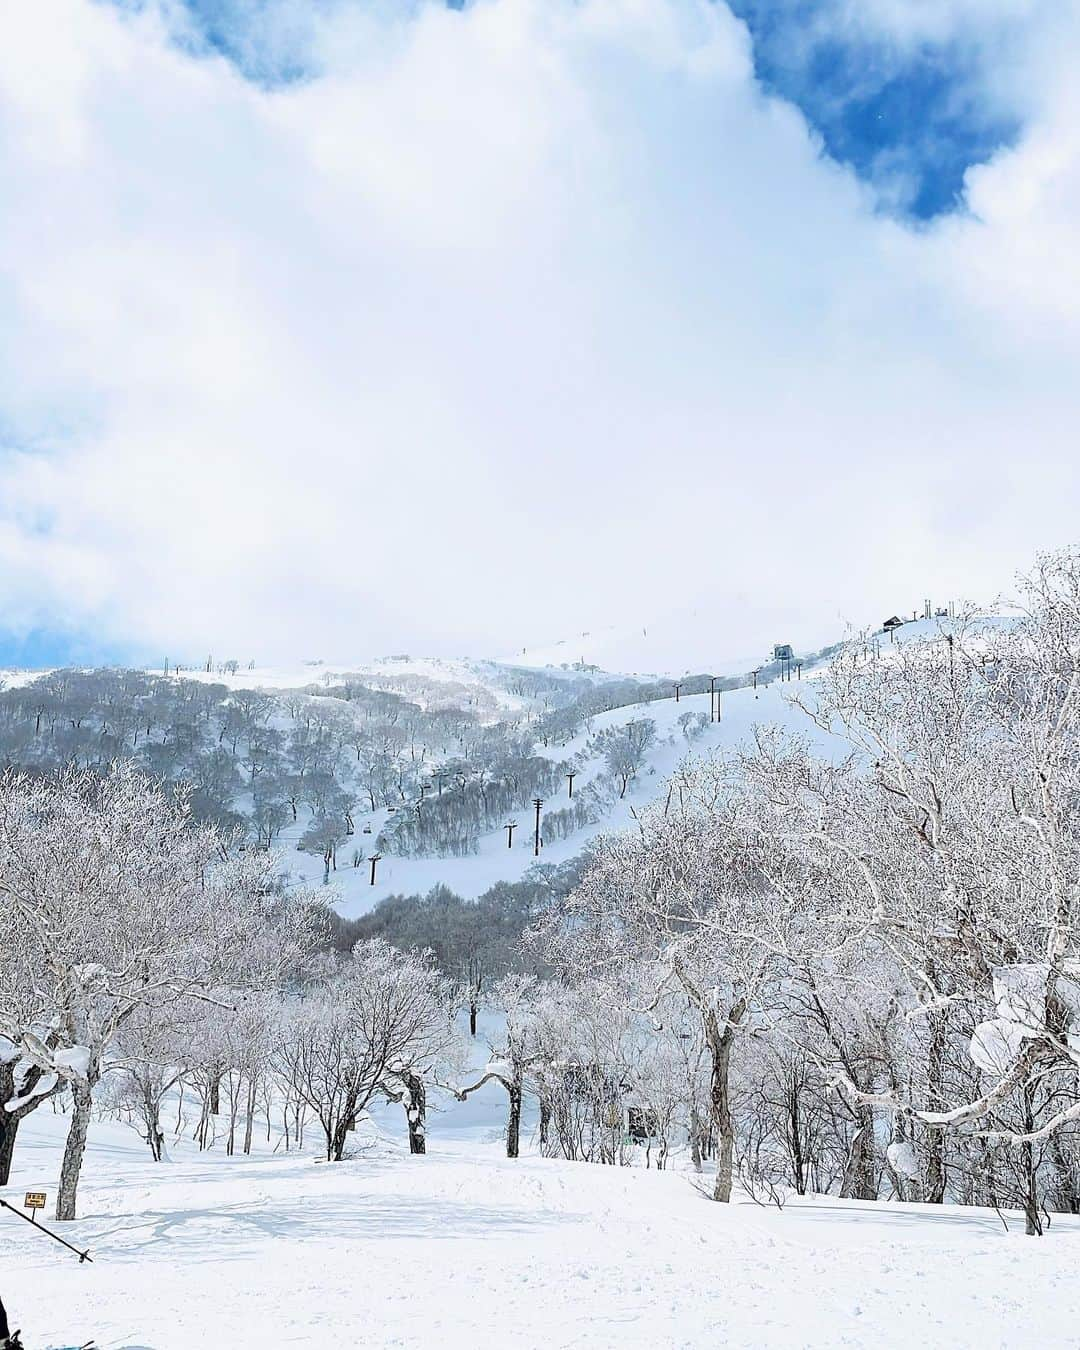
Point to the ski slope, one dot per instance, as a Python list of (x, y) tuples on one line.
[(741, 711), (352, 892), (465, 1248)]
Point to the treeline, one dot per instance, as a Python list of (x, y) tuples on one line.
[(473, 942)]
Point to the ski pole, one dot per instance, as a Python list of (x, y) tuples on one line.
[(83, 1256)]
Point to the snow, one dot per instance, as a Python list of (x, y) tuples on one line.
[(75, 1060), (1020, 996), (903, 1159), (677, 642), (742, 711), (625, 650), (17, 678), (995, 1045), (691, 641), (41, 1088), (464, 676), (464, 1247)]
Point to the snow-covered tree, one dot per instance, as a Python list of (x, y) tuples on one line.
[(375, 1024), (683, 903), (513, 1052), (112, 901), (948, 846)]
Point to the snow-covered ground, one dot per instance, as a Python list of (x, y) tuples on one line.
[(464, 1247)]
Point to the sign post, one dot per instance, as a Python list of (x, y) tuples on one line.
[(34, 1201)]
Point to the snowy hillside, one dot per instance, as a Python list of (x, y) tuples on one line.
[(457, 1238), (675, 642), (362, 759), (741, 711)]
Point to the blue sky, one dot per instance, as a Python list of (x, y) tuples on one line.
[(41, 648), (906, 121)]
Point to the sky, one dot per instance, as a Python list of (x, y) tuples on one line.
[(338, 327)]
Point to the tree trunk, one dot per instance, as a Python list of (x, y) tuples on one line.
[(1068, 1195), (9, 1120), (1032, 1217), (1033, 1225), (155, 1136), (798, 1162), (9, 1128), (249, 1116), (935, 1168), (719, 1043), (70, 1168), (721, 1102), (935, 1162), (545, 1123), (472, 1019), (513, 1124), (858, 1183), (695, 1140), (416, 1113), (346, 1121)]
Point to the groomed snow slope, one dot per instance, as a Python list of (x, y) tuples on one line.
[(464, 1248)]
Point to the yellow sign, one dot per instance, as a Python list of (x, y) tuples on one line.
[(34, 1200)]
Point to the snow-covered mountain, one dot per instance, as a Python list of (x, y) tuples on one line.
[(470, 722)]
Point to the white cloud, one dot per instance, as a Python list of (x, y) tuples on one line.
[(510, 322)]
